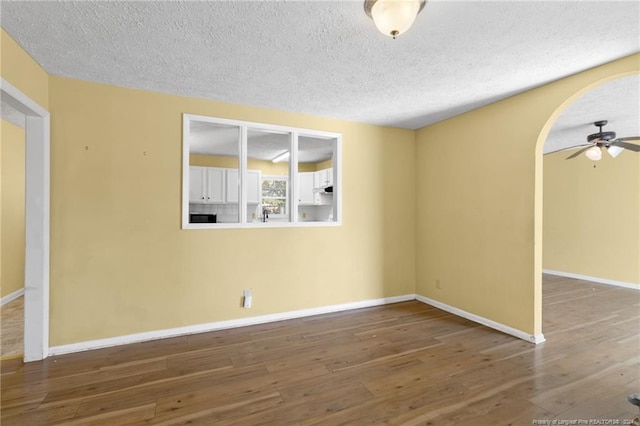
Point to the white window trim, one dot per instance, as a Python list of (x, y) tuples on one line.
[(293, 174)]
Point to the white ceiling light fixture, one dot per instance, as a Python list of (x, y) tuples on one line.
[(594, 153), (280, 157), (393, 17)]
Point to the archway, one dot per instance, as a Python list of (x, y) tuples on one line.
[(538, 223)]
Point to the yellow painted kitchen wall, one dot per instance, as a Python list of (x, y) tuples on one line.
[(323, 165), (19, 69), (479, 205), (266, 167), (591, 224), (120, 263), (12, 238)]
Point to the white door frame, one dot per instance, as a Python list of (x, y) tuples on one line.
[(36, 271)]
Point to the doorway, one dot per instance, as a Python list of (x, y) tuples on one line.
[(589, 213), (36, 276), (12, 229)]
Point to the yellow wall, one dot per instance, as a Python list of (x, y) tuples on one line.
[(213, 161), (455, 202), (266, 167), (323, 165), (591, 216), (121, 264), (19, 69), (478, 215), (12, 238)]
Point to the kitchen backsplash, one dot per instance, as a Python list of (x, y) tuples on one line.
[(226, 213)]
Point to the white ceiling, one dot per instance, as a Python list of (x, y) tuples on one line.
[(326, 57)]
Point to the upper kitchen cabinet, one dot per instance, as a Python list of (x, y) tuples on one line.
[(306, 188), (206, 185), (316, 158), (323, 178), (253, 186), (254, 195), (213, 154)]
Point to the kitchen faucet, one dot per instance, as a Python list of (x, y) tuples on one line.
[(265, 215)]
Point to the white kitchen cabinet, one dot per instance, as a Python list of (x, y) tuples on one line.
[(232, 186), (306, 185), (253, 186), (311, 187), (196, 184), (206, 185), (323, 178)]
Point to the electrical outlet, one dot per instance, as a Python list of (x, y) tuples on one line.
[(247, 299), (253, 215), (438, 285)]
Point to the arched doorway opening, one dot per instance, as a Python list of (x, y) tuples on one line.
[(583, 239)]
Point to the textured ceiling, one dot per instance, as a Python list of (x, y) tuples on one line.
[(326, 57)]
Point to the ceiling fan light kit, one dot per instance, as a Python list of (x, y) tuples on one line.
[(594, 153), (606, 140), (393, 17), (601, 136), (615, 150)]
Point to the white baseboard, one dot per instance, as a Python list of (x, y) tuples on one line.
[(633, 286), (538, 338), (221, 325), (12, 296)]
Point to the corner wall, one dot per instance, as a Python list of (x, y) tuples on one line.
[(592, 216), (19, 69), (479, 205), (120, 264)]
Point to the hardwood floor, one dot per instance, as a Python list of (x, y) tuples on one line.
[(406, 363), (12, 329)]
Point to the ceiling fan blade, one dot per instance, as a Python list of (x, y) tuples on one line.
[(575, 154), (630, 146), (567, 148), (614, 150), (628, 138)]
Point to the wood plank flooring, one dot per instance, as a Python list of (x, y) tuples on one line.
[(401, 364), (12, 329)]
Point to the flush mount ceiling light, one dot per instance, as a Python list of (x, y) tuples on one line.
[(393, 17), (280, 157)]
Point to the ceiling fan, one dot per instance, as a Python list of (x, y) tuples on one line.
[(606, 140)]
